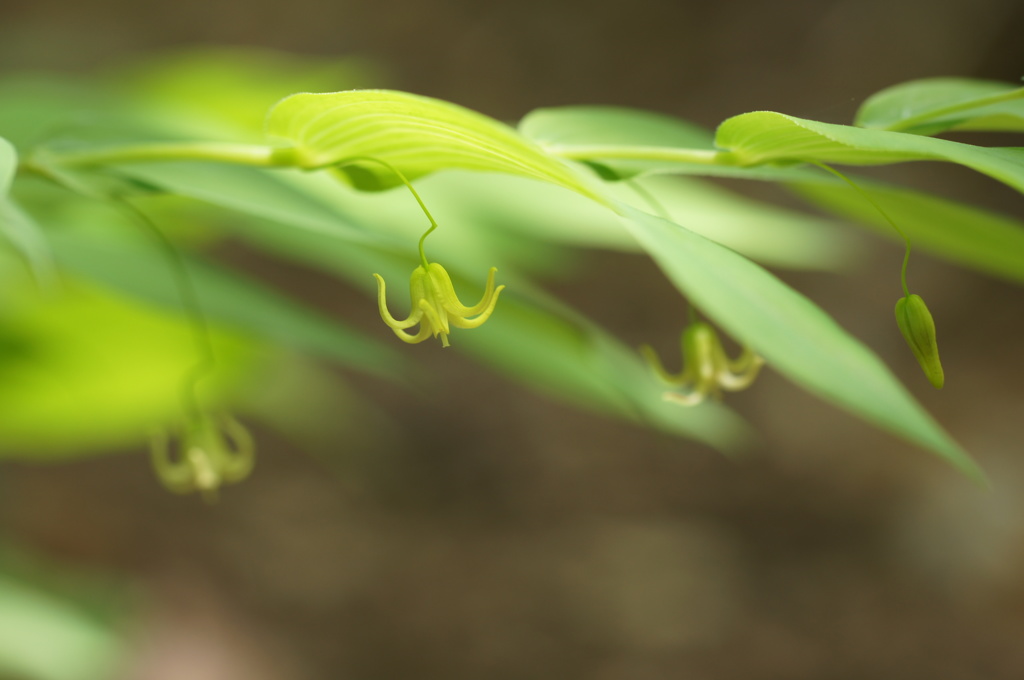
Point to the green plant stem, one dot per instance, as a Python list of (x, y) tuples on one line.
[(239, 154), (953, 108), (885, 215), (408, 185), (643, 153), (243, 154)]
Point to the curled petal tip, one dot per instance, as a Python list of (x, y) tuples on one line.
[(707, 369), (436, 307), (213, 451)]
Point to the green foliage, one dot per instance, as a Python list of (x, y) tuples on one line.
[(524, 200), (105, 369), (765, 137), (931, 106), (44, 637), (417, 135), (968, 235), (793, 334)]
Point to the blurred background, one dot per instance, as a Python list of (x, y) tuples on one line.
[(487, 532)]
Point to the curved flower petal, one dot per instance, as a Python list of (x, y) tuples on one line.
[(707, 369), (435, 305)]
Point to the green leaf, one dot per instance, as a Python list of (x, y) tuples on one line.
[(766, 233), (85, 371), (224, 92), (252, 191), (934, 105), (793, 334), (16, 225), (43, 637), (230, 300), (38, 107), (585, 125), (582, 132), (766, 137), (965, 234), (418, 135)]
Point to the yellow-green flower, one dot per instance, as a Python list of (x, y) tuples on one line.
[(435, 306), (214, 451), (707, 369)]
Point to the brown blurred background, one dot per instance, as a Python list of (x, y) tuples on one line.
[(496, 534)]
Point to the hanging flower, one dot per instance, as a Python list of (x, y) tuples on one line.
[(214, 451), (435, 306), (707, 370)]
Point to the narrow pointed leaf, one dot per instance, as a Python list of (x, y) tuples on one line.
[(767, 137), (933, 105)]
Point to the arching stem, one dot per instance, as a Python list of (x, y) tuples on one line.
[(885, 215), (408, 185)]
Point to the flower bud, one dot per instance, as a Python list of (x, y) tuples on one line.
[(918, 329)]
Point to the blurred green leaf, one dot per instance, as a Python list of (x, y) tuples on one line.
[(45, 638), (39, 107), (965, 234), (772, 235), (585, 125), (225, 92), (256, 192), (83, 371), (139, 270), (793, 334), (933, 105), (19, 229), (766, 137), (418, 135), (564, 128), (482, 214)]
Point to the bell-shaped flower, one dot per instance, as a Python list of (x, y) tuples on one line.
[(214, 451), (435, 306), (918, 329), (707, 369)]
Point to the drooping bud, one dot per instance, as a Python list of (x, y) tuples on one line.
[(918, 329)]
